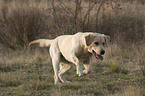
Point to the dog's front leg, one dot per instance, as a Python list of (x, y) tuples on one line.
[(79, 69), (78, 64), (87, 65)]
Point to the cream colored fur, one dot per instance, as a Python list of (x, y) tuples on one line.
[(76, 49)]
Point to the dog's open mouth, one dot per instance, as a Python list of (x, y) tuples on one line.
[(97, 55)]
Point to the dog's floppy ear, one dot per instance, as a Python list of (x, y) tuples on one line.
[(107, 38), (89, 39)]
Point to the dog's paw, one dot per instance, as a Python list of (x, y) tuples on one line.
[(81, 74), (85, 72), (67, 82)]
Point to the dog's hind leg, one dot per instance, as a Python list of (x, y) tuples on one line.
[(56, 68), (63, 68), (55, 55)]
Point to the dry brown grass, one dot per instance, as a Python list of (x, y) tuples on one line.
[(22, 22), (28, 72)]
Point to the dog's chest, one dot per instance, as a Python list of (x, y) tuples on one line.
[(83, 55)]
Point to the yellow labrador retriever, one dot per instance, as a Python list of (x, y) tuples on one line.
[(77, 49)]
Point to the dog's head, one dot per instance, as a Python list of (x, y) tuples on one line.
[(95, 43)]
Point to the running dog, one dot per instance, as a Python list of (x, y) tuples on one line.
[(77, 49)]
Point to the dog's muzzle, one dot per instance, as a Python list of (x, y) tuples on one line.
[(100, 57)]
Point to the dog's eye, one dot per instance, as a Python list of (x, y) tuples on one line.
[(96, 43), (103, 43)]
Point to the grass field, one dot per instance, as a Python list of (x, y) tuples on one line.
[(28, 71)]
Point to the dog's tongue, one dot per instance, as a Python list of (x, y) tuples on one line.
[(99, 57)]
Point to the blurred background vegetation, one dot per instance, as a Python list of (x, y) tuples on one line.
[(22, 21), (28, 71)]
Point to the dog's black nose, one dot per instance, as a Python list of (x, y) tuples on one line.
[(102, 52)]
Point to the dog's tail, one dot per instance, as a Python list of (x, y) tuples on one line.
[(41, 42)]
